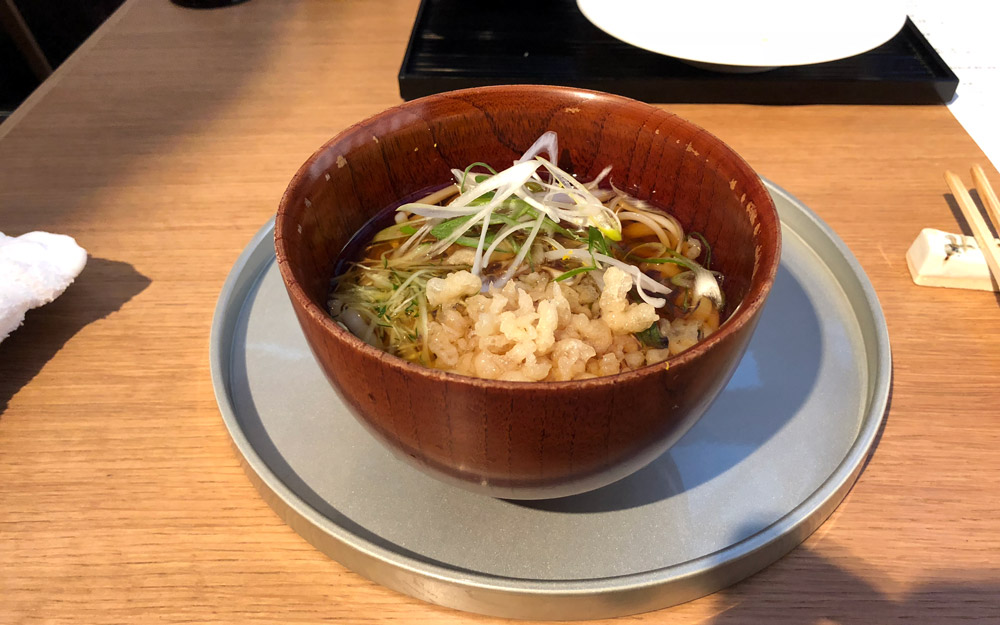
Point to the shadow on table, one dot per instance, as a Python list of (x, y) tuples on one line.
[(817, 589), (203, 62), (101, 289)]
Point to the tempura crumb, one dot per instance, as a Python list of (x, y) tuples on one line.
[(622, 317), (536, 329), (448, 290)]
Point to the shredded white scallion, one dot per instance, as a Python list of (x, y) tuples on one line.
[(495, 225)]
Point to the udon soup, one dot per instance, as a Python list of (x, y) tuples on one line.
[(528, 274)]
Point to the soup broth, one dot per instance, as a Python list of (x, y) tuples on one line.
[(528, 274)]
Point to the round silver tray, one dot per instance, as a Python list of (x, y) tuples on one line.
[(769, 462)]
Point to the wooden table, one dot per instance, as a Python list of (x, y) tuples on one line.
[(165, 143)]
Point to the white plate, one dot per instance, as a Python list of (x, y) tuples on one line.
[(747, 34)]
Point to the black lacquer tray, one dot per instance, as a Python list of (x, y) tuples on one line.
[(456, 44)]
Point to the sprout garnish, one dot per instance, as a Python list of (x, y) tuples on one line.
[(497, 222)]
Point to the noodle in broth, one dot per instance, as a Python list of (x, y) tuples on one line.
[(528, 274)]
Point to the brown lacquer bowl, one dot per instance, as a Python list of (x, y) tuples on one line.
[(526, 440)]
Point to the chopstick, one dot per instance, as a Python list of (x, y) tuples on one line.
[(988, 196), (979, 228)]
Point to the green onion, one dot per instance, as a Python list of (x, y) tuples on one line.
[(548, 225), (396, 231), (685, 279), (483, 199), (519, 206), (573, 272), (469, 168), (708, 249), (473, 242), (597, 242), (668, 261), (445, 229), (651, 336)]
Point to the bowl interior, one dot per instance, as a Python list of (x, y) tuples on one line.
[(405, 151)]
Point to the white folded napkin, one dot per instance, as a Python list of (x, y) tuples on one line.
[(35, 268)]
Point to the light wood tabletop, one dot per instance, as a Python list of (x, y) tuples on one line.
[(164, 144)]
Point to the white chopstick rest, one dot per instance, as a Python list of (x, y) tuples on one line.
[(35, 268), (948, 260)]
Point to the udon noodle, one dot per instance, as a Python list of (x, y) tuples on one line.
[(528, 274)]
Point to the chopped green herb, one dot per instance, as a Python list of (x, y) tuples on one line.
[(549, 226), (573, 272), (507, 246), (395, 231), (651, 336), (596, 241), (707, 249), (483, 199), (469, 168), (445, 229), (685, 280), (548, 221), (668, 261)]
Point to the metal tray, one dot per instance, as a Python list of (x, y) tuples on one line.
[(768, 463)]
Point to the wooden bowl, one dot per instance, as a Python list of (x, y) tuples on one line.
[(527, 440)]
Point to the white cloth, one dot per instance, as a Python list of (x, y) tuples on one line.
[(35, 268)]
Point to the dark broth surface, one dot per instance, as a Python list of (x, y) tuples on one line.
[(395, 285)]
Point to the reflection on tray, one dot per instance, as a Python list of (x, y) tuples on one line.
[(757, 403)]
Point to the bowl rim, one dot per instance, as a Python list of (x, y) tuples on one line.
[(747, 309)]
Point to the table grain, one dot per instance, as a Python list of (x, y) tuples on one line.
[(164, 144)]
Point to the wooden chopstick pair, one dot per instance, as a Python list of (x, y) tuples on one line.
[(979, 228)]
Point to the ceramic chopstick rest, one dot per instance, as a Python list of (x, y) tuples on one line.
[(948, 260)]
